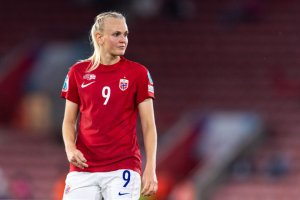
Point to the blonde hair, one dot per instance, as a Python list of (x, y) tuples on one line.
[(98, 26)]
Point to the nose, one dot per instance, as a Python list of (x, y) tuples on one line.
[(123, 39)]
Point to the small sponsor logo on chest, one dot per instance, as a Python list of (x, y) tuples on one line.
[(84, 85), (88, 77)]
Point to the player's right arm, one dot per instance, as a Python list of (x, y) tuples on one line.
[(75, 156)]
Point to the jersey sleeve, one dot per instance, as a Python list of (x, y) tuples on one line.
[(145, 87), (69, 90)]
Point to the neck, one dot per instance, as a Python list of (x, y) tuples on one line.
[(109, 60)]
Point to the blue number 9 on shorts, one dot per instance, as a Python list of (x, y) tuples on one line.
[(126, 177)]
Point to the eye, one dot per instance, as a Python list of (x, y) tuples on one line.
[(116, 34)]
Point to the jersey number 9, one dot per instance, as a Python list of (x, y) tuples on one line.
[(106, 94)]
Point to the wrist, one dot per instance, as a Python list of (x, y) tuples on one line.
[(70, 147), (151, 167)]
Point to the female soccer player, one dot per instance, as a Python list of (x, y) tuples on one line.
[(105, 93)]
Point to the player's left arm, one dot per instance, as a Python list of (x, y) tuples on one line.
[(149, 179)]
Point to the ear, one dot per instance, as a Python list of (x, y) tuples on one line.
[(99, 37)]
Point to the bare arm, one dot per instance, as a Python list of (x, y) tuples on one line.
[(149, 179), (69, 135)]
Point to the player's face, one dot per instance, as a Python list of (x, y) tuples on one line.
[(115, 37)]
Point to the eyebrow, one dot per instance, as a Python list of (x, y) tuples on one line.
[(127, 32)]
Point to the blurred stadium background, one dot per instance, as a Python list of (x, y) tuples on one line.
[(227, 86)]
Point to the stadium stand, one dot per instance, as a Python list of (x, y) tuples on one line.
[(202, 62)]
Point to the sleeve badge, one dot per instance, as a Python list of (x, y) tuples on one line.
[(65, 87)]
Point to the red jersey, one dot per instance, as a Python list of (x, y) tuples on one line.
[(108, 99)]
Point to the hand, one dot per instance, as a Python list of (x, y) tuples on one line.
[(76, 158), (149, 182)]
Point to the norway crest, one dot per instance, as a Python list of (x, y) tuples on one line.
[(123, 84)]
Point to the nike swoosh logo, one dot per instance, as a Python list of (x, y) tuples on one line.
[(85, 85), (120, 194)]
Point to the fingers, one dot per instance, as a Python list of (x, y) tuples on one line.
[(81, 158), (149, 188), (78, 160)]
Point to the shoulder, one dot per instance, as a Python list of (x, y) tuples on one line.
[(80, 66), (132, 65)]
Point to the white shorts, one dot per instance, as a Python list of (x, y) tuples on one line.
[(120, 184)]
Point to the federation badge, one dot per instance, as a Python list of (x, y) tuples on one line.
[(66, 84), (123, 84)]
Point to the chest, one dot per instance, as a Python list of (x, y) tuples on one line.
[(107, 88)]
